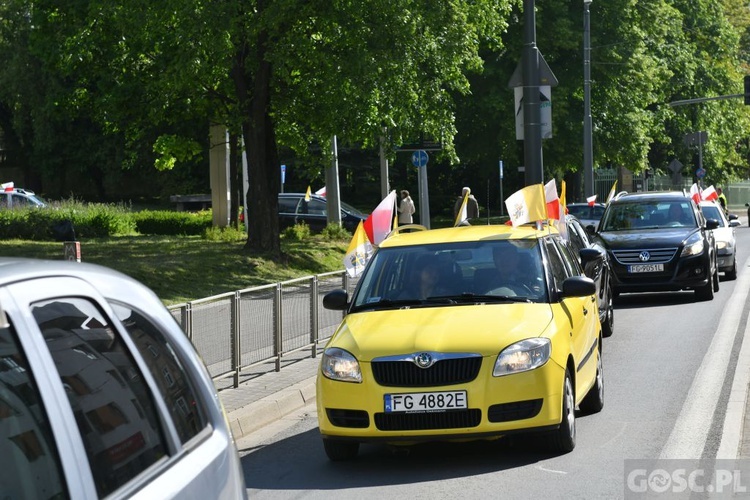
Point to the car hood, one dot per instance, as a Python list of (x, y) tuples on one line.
[(484, 329), (724, 234), (646, 238)]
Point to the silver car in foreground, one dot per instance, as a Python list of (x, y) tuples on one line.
[(726, 244), (102, 394)]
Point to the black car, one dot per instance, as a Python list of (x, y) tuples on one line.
[(598, 269), (659, 241), (293, 209)]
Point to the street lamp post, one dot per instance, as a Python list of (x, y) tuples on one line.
[(588, 154)]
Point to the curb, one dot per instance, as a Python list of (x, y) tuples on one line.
[(250, 418)]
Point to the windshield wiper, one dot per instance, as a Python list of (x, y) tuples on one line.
[(474, 297), (387, 304)]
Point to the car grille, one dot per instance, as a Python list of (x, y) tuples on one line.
[(656, 255), (356, 419), (404, 373), (518, 410), (427, 421)]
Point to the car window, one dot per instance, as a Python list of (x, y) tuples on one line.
[(31, 465), (557, 267), (597, 212), (315, 207), (580, 211), (4, 200), (571, 262), (577, 238), (175, 387), (20, 201), (288, 205), (112, 405)]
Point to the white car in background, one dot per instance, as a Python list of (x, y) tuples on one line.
[(588, 215), (726, 244), (20, 198)]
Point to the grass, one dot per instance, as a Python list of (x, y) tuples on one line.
[(179, 269)]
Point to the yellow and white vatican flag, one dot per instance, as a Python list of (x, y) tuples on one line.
[(462, 213), (527, 205), (308, 195), (358, 253), (612, 192)]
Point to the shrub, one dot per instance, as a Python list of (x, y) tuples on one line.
[(335, 232), (172, 223), (297, 232), (227, 234)]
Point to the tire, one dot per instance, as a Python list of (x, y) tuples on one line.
[(340, 451), (715, 279), (608, 324), (732, 273), (563, 440), (593, 402)]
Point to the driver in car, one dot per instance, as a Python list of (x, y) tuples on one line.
[(514, 270)]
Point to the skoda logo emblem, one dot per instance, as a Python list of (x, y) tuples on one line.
[(644, 256), (423, 360)]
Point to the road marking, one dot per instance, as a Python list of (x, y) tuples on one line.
[(688, 437)]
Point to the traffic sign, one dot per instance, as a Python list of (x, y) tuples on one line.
[(700, 173), (419, 158)]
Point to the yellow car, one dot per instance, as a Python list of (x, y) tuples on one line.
[(469, 332)]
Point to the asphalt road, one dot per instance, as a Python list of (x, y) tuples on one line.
[(669, 373)]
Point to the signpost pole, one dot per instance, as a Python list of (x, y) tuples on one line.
[(502, 199), (419, 160)]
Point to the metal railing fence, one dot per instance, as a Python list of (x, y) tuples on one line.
[(237, 330)]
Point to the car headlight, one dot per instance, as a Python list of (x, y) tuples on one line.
[(693, 245), (338, 364), (724, 245), (522, 356)]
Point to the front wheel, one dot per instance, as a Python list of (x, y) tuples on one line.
[(563, 440), (608, 324), (732, 273), (593, 402)]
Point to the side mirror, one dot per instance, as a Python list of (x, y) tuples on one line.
[(590, 255), (336, 300), (734, 223), (578, 286), (733, 217), (591, 229), (712, 224)]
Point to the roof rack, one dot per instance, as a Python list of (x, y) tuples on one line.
[(620, 194), (406, 228)]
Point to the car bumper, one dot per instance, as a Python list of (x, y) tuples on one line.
[(725, 260), (496, 405), (686, 273)]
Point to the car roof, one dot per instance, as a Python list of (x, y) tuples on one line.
[(582, 204), (107, 281), (651, 196), (466, 233)]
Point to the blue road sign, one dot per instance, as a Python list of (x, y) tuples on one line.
[(419, 158), (283, 173), (700, 173)]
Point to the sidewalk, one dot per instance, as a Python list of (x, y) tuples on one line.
[(264, 395)]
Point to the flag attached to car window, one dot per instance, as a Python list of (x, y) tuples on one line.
[(527, 205), (358, 253), (380, 222)]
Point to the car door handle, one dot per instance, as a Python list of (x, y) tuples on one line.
[(585, 311)]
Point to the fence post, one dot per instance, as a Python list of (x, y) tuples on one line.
[(187, 321), (277, 326), (236, 347), (314, 315)]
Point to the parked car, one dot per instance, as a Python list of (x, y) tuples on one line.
[(20, 198), (101, 393), (660, 241), (293, 209), (468, 332), (726, 244), (589, 215), (598, 269)]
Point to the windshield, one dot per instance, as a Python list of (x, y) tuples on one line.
[(713, 212), (586, 211), (453, 273), (351, 209), (649, 215)]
